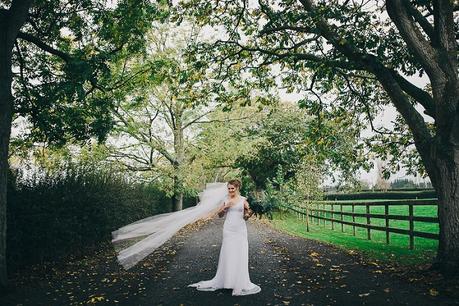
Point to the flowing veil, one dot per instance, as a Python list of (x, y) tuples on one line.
[(137, 240)]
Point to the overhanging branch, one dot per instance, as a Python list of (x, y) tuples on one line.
[(45, 47), (417, 93), (416, 42), (421, 20), (398, 97)]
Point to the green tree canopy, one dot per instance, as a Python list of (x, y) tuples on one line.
[(55, 70), (288, 135), (63, 57)]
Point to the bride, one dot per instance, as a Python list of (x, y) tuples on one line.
[(233, 263)]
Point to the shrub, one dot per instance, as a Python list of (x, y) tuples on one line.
[(51, 215)]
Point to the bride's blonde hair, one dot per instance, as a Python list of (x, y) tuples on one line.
[(236, 183)]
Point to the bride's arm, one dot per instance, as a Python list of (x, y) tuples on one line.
[(222, 210), (249, 211)]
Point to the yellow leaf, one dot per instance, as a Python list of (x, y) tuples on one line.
[(433, 292)]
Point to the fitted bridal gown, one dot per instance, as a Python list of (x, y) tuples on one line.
[(233, 263)]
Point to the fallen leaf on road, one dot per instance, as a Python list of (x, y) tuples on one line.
[(96, 299), (433, 292)]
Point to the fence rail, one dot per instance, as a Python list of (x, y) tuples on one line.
[(313, 211)]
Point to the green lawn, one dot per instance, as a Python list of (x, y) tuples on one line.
[(398, 249)]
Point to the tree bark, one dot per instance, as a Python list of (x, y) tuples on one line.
[(179, 157), (445, 173), (447, 187), (10, 22), (6, 116), (178, 195)]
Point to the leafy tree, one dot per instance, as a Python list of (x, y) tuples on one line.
[(154, 122), (221, 140), (56, 54), (381, 181), (288, 135), (404, 183), (282, 145), (364, 53), (300, 190)]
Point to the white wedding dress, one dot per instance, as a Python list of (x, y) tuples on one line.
[(233, 263)]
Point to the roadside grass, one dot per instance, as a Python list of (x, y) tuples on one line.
[(396, 252)]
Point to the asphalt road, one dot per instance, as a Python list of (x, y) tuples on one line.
[(289, 270)]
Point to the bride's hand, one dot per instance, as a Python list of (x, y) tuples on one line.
[(223, 211), (248, 214)]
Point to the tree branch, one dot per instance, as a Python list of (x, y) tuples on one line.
[(421, 48), (412, 117), (298, 56), (36, 41), (417, 93), (423, 22), (287, 27), (186, 125), (135, 157), (145, 140), (223, 121), (444, 25)]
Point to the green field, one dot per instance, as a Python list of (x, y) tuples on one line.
[(398, 249)]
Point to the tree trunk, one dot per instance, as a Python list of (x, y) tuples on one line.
[(445, 158), (6, 117), (446, 183), (177, 200), (10, 22), (179, 151)]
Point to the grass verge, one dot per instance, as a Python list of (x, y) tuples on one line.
[(397, 252)]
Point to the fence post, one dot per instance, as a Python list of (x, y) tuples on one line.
[(368, 220), (411, 213), (386, 213), (307, 218), (332, 223), (341, 217), (317, 214), (324, 214), (353, 219)]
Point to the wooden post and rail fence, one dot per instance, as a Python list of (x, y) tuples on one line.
[(317, 211)]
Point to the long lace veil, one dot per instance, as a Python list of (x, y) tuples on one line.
[(137, 240)]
